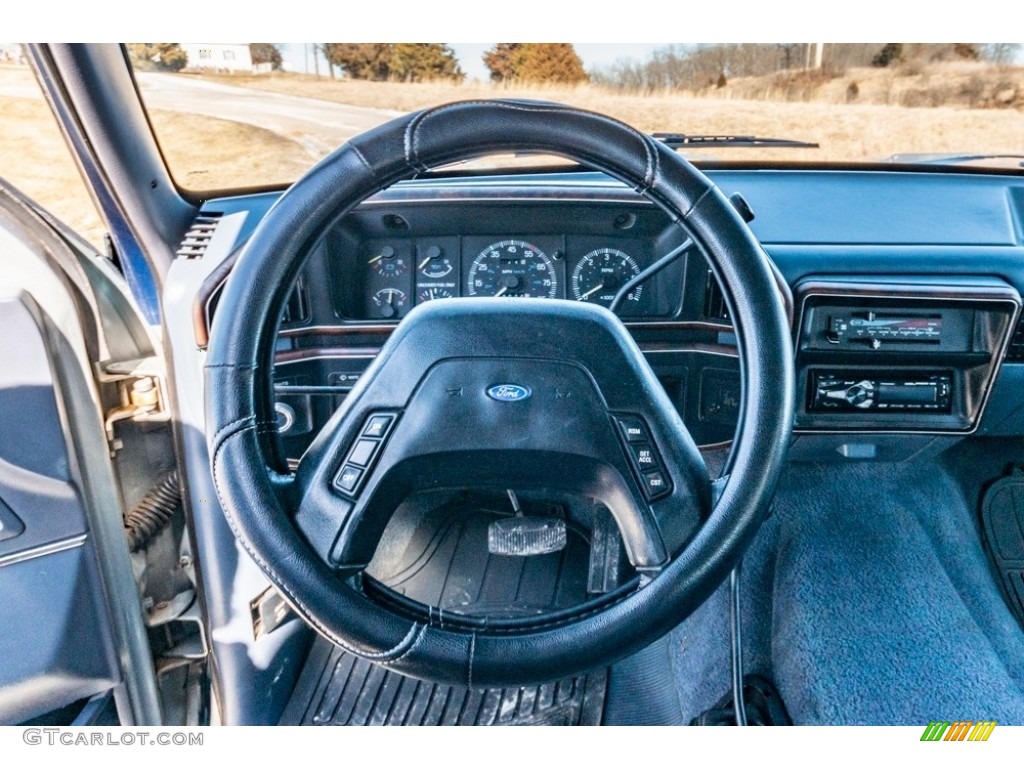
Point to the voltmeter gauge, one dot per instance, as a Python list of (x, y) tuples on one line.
[(387, 262)]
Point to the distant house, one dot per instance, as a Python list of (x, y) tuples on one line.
[(9, 52), (221, 57)]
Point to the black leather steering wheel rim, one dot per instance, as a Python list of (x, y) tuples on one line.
[(258, 500)]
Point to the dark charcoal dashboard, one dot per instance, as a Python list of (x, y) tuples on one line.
[(907, 291)]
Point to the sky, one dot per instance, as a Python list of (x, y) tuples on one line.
[(470, 55), (634, 24)]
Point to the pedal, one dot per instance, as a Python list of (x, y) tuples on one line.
[(764, 706), (526, 536)]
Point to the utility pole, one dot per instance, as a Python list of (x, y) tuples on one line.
[(815, 51)]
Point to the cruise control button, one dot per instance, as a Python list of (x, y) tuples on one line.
[(655, 483), (634, 430), (348, 479), (643, 455), (362, 452), (377, 426)]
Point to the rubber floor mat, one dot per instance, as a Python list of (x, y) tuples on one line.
[(1002, 520), (336, 688), (447, 565)]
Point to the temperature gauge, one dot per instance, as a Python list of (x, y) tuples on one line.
[(389, 303)]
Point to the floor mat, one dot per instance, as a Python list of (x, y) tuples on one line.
[(868, 599), (446, 564), (1002, 520), (338, 689)]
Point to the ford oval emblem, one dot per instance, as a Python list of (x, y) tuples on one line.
[(508, 393)]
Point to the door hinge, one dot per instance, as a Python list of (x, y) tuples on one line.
[(140, 393)]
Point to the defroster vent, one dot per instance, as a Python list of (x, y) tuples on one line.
[(198, 237)]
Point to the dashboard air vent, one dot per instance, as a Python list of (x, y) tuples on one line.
[(193, 246), (297, 309), (715, 307), (1015, 352)]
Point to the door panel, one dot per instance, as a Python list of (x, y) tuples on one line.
[(71, 623)]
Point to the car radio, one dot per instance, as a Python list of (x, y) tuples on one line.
[(915, 355), (873, 391), (872, 329)]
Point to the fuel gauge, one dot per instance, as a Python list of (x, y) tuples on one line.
[(429, 294)]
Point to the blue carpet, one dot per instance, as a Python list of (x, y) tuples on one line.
[(868, 599)]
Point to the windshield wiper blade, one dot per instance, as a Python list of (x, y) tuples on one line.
[(677, 140), (936, 158)]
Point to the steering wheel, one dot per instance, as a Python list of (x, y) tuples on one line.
[(492, 387)]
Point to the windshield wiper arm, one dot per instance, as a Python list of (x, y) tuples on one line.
[(677, 140), (936, 158)]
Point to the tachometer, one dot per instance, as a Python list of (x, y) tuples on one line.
[(598, 276), (512, 268)]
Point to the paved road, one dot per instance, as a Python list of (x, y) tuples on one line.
[(319, 126)]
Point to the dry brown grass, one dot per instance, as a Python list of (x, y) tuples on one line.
[(35, 159), (209, 153), (860, 131), (213, 153), (216, 153)]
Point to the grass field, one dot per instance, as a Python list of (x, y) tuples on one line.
[(35, 159), (846, 132)]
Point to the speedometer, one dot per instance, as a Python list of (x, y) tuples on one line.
[(512, 268), (599, 275)]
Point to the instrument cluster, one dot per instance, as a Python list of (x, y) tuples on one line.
[(385, 277)]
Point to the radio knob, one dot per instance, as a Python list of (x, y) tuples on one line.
[(861, 394)]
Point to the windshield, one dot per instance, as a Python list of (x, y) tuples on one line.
[(243, 115)]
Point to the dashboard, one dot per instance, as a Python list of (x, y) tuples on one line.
[(904, 290)]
